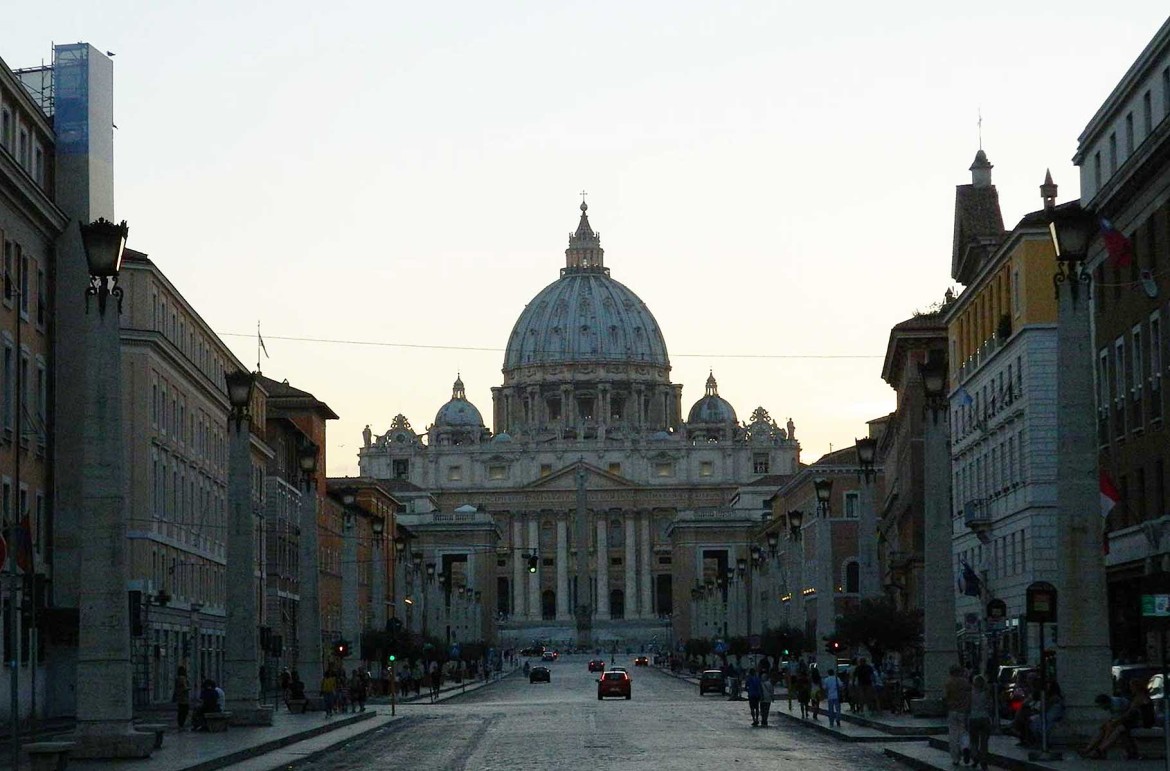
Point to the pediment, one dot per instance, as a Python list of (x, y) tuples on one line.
[(566, 479)]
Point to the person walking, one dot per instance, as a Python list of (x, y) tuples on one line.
[(803, 690), (329, 691), (957, 698), (767, 694), (182, 697), (285, 684), (816, 693), (753, 686), (863, 679), (833, 688), (979, 721)]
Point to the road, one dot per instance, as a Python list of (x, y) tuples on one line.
[(515, 726)]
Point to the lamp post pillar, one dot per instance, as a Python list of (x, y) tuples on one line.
[(104, 699), (1082, 644), (939, 651), (350, 621), (241, 663), (870, 584), (378, 585), (309, 662), (826, 606)]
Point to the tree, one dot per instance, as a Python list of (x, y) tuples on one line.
[(879, 626), (698, 647)]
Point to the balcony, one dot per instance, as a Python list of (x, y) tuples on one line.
[(976, 515)]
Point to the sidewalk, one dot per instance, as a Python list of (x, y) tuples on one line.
[(289, 739), (1005, 754)]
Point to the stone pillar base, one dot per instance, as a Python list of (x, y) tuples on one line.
[(249, 713), (928, 708), (106, 742)]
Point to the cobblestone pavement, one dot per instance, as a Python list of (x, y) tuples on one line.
[(517, 726)]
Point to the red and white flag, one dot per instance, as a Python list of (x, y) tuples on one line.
[(1109, 494)]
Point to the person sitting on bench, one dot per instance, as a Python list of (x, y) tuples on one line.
[(208, 703)]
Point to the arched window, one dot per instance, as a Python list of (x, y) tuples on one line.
[(852, 577)]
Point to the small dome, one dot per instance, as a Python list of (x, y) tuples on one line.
[(503, 436), (458, 413), (712, 408)]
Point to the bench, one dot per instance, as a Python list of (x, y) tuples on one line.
[(49, 756), (296, 706), (217, 722), (158, 729)]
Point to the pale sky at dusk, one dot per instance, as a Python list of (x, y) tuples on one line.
[(775, 180)]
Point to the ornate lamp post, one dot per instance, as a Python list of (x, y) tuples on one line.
[(825, 596), (1082, 645), (104, 674), (309, 658), (378, 579), (939, 645), (241, 663), (870, 583)]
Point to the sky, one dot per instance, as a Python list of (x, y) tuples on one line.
[(383, 186)]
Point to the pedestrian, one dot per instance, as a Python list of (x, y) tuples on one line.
[(957, 698), (358, 690), (753, 686), (767, 694), (436, 680), (342, 693), (208, 704), (803, 689), (979, 721), (833, 687), (863, 677), (790, 671), (181, 696), (329, 691), (816, 693), (285, 684)]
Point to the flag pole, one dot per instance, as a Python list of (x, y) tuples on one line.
[(259, 342)]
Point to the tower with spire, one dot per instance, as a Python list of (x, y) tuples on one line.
[(978, 221), (585, 252)]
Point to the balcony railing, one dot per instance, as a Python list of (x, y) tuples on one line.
[(976, 515)]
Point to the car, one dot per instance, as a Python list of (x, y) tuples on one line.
[(548, 656), (1012, 683), (613, 684), (539, 675), (596, 665), (617, 669), (535, 650), (642, 661), (711, 680)]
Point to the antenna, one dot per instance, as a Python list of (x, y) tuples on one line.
[(979, 124)]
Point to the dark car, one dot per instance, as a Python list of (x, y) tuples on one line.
[(534, 650), (642, 661), (548, 656), (614, 684), (596, 665), (539, 675), (711, 681)]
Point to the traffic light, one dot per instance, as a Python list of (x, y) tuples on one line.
[(833, 646), (533, 563), (342, 649)]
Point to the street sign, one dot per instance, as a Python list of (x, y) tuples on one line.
[(1041, 603), (720, 647), (455, 650), (1156, 605)]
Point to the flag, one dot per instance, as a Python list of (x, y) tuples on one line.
[(969, 583), (1109, 494), (263, 347), (22, 546), (1120, 248)]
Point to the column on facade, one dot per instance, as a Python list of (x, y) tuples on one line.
[(938, 634), (378, 584), (309, 663), (568, 411), (534, 578), (630, 564), (564, 612), (646, 605), (602, 566), (870, 583), (517, 610), (350, 622)]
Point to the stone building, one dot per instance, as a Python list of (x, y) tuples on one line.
[(586, 419)]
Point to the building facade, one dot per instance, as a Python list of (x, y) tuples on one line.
[(587, 420), (1124, 160)]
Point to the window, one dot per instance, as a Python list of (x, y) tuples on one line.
[(760, 463), (455, 474), (1129, 143), (24, 271), (497, 471), (9, 382), (1155, 349), (1112, 154), (42, 309), (6, 129), (401, 468), (1165, 93), (1097, 169), (22, 150), (38, 169), (663, 469), (9, 268), (1147, 115), (1119, 368), (852, 505), (852, 577), (706, 468), (1135, 357), (1016, 291)]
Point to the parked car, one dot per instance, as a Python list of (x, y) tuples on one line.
[(539, 675), (642, 661), (614, 684), (711, 680), (596, 665)]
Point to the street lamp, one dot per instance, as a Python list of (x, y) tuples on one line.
[(430, 571), (795, 520), (773, 542), (240, 384), (104, 243), (934, 382), (869, 584), (741, 567), (105, 708), (824, 488), (866, 454), (1083, 652)]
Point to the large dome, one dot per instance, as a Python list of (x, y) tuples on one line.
[(585, 316)]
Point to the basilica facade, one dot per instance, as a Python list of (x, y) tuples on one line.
[(588, 448)]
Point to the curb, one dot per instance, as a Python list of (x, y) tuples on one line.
[(275, 744), (824, 728)]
